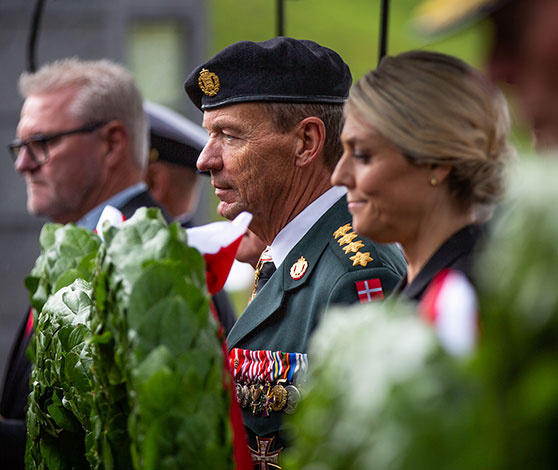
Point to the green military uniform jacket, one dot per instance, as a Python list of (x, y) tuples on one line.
[(284, 313)]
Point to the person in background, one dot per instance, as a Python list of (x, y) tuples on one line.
[(173, 179), (274, 130), (425, 157), (172, 176), (523, 52), (81, 144)]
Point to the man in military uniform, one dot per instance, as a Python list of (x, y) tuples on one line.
[(274, 113), (524, 52), (81, 144)]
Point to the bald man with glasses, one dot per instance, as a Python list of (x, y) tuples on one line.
[(81, 143)]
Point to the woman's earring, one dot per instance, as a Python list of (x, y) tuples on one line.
[(433, 180)]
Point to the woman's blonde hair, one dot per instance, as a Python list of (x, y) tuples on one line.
[(439, 110)]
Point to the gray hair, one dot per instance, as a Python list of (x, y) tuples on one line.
[(106, 91), (437, 109), (285, 116)]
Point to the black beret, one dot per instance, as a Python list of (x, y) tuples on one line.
[(174, 138), (281, 69)]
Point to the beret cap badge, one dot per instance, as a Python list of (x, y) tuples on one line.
[(208, 82)]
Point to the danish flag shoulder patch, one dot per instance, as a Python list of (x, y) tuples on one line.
[(369, 290)]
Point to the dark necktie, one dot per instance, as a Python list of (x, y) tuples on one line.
[(264, 270)]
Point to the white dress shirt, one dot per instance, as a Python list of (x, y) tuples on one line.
[(293, 232)]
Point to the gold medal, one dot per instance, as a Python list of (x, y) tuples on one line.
[(279, 395)]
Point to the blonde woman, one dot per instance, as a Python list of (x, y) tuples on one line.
[(425, 153)]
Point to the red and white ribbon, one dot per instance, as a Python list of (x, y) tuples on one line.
[(450, 304)]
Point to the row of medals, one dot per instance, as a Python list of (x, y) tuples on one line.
[(263, 398)]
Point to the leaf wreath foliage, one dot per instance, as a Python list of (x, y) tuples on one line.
[(128, 369)]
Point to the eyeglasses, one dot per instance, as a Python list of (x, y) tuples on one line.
[(37, 146)]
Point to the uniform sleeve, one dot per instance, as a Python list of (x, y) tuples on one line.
[(363, 285)]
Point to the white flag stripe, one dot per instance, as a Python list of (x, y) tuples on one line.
[(456, 322), (367, 290)]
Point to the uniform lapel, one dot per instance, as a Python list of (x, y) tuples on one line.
[(269, 299), (266, 302)]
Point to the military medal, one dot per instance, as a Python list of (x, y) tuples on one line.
[(256, 402), (293, 397), (244, 396), (279, 395), (263, 456), (264, 380)]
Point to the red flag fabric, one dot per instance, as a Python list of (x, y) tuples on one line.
[(450, 304), (219, 242), (369, 290)]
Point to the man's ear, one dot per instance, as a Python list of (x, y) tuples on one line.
[(311, 133), (117, 141)]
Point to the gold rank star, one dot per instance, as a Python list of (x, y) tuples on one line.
[(353, 247), (348, 238), (361, 258), (342, 231)]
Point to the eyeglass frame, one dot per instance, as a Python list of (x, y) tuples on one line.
[(44, 139)]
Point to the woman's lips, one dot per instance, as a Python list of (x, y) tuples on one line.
[(355, 205)]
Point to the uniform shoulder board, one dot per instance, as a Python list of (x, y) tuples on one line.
[(356, 250)]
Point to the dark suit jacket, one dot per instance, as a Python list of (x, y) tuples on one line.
[(457, 252), (284, 313), (16, 380)]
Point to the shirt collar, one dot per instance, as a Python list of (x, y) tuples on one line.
[(293, 232), (90, 219)]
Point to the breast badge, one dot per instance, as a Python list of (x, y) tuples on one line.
[(299, 268)]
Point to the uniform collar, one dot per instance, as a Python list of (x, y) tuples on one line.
[(295, 230), (460, 244)]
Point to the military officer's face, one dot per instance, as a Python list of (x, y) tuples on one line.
[(58, 188), (525, 54), (251, 164), (387, 195)]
